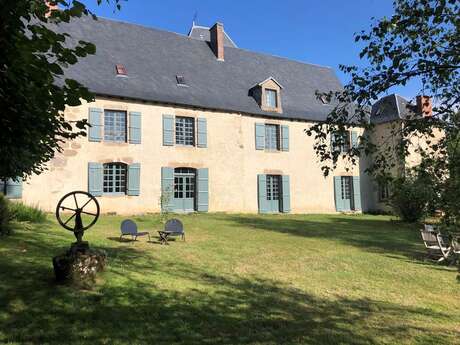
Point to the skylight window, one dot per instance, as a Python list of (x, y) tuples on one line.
[(121, 70), (181, 80), (324, 99)]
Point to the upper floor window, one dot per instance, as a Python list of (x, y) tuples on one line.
[(115, 178), (272, 137), (341, 142), (185, 131), (271, 98), (115, 126)]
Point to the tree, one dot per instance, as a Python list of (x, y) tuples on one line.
[(33, 89), (420, 42)]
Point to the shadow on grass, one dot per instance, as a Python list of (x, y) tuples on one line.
[(129, 309), (380, 236)]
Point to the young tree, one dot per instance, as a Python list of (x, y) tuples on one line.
[(420, 42), (33, 58)]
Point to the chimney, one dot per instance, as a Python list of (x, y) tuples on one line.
[(424, 106), (51, 7), (217, 40)]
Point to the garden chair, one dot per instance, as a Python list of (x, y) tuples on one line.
[(436, 244), (173, 227), (129, 228)]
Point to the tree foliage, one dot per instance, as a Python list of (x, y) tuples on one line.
[(419, 43), (33, 58)]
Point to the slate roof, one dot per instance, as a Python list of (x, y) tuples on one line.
[(154, 57), (202, 33), (390, 108)]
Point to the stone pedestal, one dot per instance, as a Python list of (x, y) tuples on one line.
[(79, 265)]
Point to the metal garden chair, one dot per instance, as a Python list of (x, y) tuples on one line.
[(435, 244), (129, 228), (173, 227)]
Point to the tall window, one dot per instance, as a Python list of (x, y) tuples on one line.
[(346, 187), (184, 183), (115, 126), (273, 187), (185, 131), (115, 178), (272, 137), (271, 98), (384, 191), (341, 141)]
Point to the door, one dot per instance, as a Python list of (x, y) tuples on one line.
[(184, 189), (273, 193), (347, 193)]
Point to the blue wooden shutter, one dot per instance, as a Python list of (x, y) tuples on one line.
[(260, 136), (167, 189), (357, 193), (95, 178), (134, 179), (354, 139), (14, 188), (284, 138), (202, 132), (338, 193), (286, 192), (95, 120), (203, 190), (168, 130), (262, 191), (135, 127)]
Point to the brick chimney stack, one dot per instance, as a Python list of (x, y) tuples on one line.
[(217, 40), (424, 106)]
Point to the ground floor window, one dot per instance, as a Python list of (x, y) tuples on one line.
[(347, 193), (274, 193), (115, 178), (184, 189), (384, 192)]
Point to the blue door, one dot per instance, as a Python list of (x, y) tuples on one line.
[(273, 193), (184, 189)]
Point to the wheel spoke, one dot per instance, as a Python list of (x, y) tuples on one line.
[(67, 208), (86, 204), (91, 214), (68, 220), (75, 198)]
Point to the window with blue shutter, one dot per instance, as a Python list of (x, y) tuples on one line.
[(286, 194), (285, 138), (339, 200), (12, 188), (168, 130), (167, 189), (134, 179), (260, 136), (203, 190), (202, 132), (354, 139), (95, 179), (357, 193), (95, 121), (262, 193), (135, 127)]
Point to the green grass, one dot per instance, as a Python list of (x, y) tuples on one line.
[(238, 279), (26, 213)]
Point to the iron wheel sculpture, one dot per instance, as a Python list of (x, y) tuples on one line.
[(66, 214)]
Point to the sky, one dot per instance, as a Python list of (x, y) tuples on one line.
[(312, 31)]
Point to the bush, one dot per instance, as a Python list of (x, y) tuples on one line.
[(412, 196), (5, 215), (25, 213)]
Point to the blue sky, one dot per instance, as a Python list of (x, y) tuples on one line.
[(312, 31)]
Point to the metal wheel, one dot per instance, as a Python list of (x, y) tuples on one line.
[(77, 203)]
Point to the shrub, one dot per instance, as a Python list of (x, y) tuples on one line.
[(5, 215), (25, 213), (412, 196)]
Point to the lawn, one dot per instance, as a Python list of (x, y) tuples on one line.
[(238, 279)]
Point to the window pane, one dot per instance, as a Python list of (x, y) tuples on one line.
[(185, 131), (115, 125), (346, 187), (114, 178), (272, 137), (271, 98)]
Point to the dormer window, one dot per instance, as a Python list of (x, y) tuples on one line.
[(268, 95), (271, 98), (121, 70), (324, 99), (180, 79)]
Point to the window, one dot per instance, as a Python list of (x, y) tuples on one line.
[(273, 187), (272, 136), (341, 142), (346, 187), (384, 192), (115, 126), (271, 98), (184, 183), (185, 131), (324, 99), (121, 70), (181, 80), (115, 178)]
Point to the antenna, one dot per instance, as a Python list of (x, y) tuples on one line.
[(195, 16)]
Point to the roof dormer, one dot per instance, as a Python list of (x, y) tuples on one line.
[(267, 94)]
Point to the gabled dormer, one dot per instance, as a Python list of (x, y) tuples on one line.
[(268, 95)]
